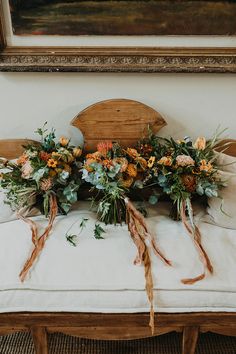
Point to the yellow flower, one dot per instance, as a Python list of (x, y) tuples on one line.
[(52, 163), (205, 166), (132, 170), (200, 143), (77, 152), (151, 161), (64, 141), (165, 160)]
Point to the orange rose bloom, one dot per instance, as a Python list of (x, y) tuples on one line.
[(200, 143), (64, 141), (166, 161), (205, 166)]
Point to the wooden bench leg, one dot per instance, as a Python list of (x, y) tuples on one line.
[(190, 337), (40, 339)]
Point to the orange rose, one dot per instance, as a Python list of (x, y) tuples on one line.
[(205, 166), (200, 143), (64, 141), (166, 161), (77, 152)]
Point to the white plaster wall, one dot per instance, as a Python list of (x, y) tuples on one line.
[(192, 104)]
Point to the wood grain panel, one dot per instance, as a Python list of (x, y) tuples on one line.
[(121, 120), (13, 148)]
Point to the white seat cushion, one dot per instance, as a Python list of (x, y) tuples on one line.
[(99, 275)]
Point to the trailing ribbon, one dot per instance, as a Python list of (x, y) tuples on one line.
[(194, 232), (140, 234), (38, 241)]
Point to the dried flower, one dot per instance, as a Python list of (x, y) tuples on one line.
[(52, 163), (64, 141), (166, 161), (189, 181), (200, 143), (184, 160), (131, 170)]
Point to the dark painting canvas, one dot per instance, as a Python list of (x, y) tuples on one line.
[(150, 17)]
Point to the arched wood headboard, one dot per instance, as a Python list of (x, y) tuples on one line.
[(13, 148), (121, 120)]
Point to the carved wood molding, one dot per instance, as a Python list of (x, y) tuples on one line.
[(114, 59), (118, 59)]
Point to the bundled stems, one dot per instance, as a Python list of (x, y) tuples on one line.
[(38, 241)]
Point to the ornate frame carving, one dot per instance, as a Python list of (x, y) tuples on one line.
[(114, 59)]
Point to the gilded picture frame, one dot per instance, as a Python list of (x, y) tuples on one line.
[(145, 59)]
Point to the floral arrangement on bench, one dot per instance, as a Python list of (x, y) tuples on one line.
[(51, 174)]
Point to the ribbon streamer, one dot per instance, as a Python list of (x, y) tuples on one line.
[(140, 234), (194, 232), (38, 241)]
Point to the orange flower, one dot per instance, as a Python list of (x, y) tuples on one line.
[(104, 147), (77, 152), (132, 170), (44, 155), (22, 159), (107, 163), (200, 143), (132, 153), (151, 161), (205, 166), (64, 141), (165, 160), (52, 163)]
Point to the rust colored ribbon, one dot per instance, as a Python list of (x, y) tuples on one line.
[(196, 236), (139, 234), (38, 241)]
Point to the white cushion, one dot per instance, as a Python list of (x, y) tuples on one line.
[(97, 274), (222, 211), (6, 214), (226, 162)]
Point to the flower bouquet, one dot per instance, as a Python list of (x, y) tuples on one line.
[(45, 177), (112, 171), (184, 170)]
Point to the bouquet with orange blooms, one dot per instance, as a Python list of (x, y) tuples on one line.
[(113, 171), (45, 176), (182, 169)]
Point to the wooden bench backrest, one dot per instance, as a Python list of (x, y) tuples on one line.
[(13, 148), (121, 120)]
